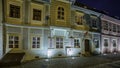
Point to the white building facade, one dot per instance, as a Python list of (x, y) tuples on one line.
[(110, 37)]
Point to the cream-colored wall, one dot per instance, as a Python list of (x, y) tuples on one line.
[(10, 19), (81, 27), (53, 13)]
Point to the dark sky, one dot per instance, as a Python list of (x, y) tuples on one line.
[(111, 6)]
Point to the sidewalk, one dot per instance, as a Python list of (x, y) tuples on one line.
[(70, 62)]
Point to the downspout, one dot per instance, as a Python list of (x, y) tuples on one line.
[(3, 27), (100, 33)]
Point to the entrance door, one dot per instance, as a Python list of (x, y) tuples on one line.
[(87, 45)]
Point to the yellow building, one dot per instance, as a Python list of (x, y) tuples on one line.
[(46, 29)]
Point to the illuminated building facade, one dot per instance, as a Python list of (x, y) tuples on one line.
[(50, 28), (110, 37)]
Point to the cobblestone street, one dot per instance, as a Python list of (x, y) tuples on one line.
[(72, 62)]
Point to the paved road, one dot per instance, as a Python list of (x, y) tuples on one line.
[(102, 61)]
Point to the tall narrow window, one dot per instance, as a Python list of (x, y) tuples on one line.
[(94, 23), (114, 27), (118, 28), (59, 42), (35, 42), (14, 11), (106, 42), (114, 43), (105, 25), (110, 25), (13, 42), (60, 13), (79, 19), (76, 43), (37, 14), (96, 43)]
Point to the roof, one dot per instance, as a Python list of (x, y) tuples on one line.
[(77, 3)]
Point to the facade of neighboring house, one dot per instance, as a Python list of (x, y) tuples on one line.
[(87, 23), (110, 37), (1, 31)]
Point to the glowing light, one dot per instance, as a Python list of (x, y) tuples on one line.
[(69, 52), (46, 59), (73, 57), (104, 54), (49, 53)]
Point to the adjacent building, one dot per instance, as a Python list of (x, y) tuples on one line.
[(110, 36)]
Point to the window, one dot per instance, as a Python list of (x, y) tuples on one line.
[(14, 11), (35, 42), (13, 42), (79, 20), (114, 27), (96, 42), (118, 28), (94, 23), (76, 43), (37, 14), (59, 42), (114, 43), (110, 25), (106, 42), (105, 25), (60, 13)]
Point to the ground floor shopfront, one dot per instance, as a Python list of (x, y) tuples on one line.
[(48, 42)]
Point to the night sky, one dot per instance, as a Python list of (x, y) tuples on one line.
[(110, 6)]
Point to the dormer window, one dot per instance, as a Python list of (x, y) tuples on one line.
[(14, 11), (61, 13), (79, 20)]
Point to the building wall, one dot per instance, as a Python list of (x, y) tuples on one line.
[(109, 34)]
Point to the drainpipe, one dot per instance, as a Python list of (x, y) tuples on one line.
[(3, 27), (100, 45)]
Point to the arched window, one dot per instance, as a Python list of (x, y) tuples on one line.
[(61, 13)]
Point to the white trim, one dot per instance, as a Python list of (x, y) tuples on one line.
[(27, 26)]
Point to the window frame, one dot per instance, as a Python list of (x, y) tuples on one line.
[(77, 42), (59, 43), (35, 13), (13, 40), (16, 11), (105, 25), (79, 19), (107, 42), (60, 13), (40, 42)]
